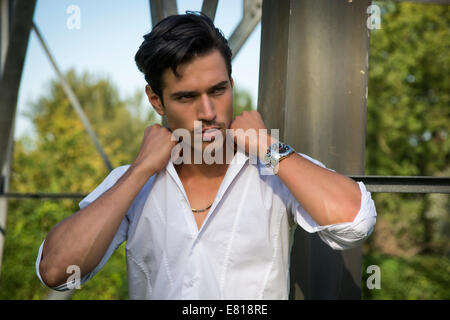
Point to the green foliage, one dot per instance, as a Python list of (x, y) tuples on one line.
[(109, 283), (407, 134), (242, 101), (414, 278), (409, 91), (28, 222), (61, 156)]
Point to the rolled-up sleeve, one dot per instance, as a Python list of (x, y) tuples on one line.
[(339, 236), (118, 239)]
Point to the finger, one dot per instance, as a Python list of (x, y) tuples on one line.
[(176, 154), (231, 134)]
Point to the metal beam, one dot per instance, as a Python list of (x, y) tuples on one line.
[(313, 87), (250, 19), (447, 2), (209, 7), (12, 71), (405, 184), (5, 180), (16, 29), (74, 100), (387, 184), (160, 9), (5, 24), (38, 195), (5, 21)]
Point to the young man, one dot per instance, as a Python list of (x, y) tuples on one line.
[(196, 229)]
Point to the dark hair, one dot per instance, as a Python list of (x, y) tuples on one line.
[(176, 40)]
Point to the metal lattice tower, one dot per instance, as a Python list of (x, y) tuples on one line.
[(289, 62)]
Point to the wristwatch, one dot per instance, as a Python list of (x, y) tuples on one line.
[(275, 153)]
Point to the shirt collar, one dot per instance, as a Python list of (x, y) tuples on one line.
[(239, 160)]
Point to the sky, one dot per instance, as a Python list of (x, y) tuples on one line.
[(110, 33)]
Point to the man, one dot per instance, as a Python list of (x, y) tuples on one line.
[(196, 229)]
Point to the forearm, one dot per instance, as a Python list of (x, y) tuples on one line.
[(83, 238), (327, 196)]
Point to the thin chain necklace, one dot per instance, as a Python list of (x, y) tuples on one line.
[(201, 210)]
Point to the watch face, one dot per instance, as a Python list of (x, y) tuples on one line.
[(284, 148), (276, 153), (279, 148)]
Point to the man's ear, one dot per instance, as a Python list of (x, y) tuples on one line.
[(155, 100), (232, 82)]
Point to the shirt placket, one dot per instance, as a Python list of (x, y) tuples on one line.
[(191, 276)]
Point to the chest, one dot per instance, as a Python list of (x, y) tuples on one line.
[(201, 196), (245, 218), (242, 238)]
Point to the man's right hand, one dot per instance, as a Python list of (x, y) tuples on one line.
[(155, 149)]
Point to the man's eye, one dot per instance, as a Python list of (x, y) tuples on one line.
[(185, 98), (218, 90)]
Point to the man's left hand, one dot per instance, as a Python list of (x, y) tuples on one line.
[(250, 133)]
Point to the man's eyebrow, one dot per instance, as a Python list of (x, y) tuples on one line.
[(190, 93), (220, 84)]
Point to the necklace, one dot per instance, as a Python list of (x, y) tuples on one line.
[(201, 210)]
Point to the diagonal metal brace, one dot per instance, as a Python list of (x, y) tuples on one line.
[(74, 100), (250, 19), (209, 7), (160, 9)]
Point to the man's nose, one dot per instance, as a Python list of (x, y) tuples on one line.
[(207, 111)]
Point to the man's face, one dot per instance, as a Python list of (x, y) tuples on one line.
[(203, 92)]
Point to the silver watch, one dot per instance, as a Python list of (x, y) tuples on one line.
[(275, 153)]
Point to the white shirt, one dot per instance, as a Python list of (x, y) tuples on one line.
[(241, 251)]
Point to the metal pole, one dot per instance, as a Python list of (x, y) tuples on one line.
[(160, 9), (313, 87), (15, 29), (4, 31), (209, 7), (447, 2), (5, 172), (6, 177), (405, 184), (400, 184)]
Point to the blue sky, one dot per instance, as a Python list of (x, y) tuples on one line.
[(109, 36)]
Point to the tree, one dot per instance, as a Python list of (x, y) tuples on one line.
[(408, 126), (409, 91), (242, 101)]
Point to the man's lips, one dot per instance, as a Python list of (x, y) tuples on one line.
[(210, 128), (210, 133)]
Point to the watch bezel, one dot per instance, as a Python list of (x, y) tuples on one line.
[(273, 155)]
